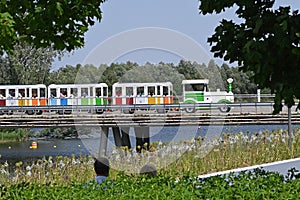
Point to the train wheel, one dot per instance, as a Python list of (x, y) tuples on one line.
[(30, 112), (190, 110), (128, 111), (161, 110), (99, 111), (224, 108), (38, 112)]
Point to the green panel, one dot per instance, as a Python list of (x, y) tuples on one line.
[(91, 101), (84, 101), (197, 96), (99, 101), (105, 101)]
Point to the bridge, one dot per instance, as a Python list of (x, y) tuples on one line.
[(144, 117)]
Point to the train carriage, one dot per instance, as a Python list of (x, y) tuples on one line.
[(23, 95), (142, 94), (78, 95)]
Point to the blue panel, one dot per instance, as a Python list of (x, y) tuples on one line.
[(53, 102), (63, 102)]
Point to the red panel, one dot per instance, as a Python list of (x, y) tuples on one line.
[(119, 101), (129, 101), (3, 102)]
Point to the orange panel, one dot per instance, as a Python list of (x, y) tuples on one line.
[(43, 102), (166, 100), (35, 102)]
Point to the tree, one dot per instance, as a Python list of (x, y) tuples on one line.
[(28, 65), (57, 24), (266, 42)]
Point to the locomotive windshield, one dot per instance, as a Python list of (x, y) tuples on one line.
[(195, 87)]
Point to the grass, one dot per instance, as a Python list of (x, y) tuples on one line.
[(194, 157)]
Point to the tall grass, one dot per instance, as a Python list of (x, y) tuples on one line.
[(200, 156)]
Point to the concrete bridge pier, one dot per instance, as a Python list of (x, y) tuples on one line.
[(103, 141), (142, 135), (122, 139)]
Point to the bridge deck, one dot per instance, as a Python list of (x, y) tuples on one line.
[(142, 119)]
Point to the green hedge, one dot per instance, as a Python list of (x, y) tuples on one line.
[(257, 184)]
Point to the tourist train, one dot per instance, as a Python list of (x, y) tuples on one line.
[(125, 96)]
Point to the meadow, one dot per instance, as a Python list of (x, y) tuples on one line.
[(71, 177)]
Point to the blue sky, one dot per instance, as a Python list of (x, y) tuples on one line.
[(182, 17)]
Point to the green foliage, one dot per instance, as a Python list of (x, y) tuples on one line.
[(26, 65), (257, 184), (14, 134), (266, 42), (60, 25)]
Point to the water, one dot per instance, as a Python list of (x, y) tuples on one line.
[(54, 147)]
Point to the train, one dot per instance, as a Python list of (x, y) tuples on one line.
[(132, 95)]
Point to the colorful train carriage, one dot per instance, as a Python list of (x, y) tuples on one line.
[(23, 95), (78, 94), (197, 91), (142, 94)]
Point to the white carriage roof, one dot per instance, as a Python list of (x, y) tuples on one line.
[(78, 85), (195, 81), (143, 84), (22, 86)]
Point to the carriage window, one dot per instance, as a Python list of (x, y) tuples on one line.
[(118, 91), (165, 90), (52, 93), (2, 93), (34, 93), (151, 90), (74, 92), (21, 93), (63, 92), (84, 92), (42, 92), (98, 92), (129, 91), (104, 91), (140, 91), (158, 90)]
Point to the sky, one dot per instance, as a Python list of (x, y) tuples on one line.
[(151, 31)]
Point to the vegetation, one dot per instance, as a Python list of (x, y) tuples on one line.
[(265, 42), (248, 185), (57, 24), (71, 177), (7, 135)]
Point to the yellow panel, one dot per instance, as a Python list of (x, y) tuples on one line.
[(21, 102), (27, 102), (151, 100), (158, 100)]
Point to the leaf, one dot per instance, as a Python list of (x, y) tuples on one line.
[(59, 8)]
